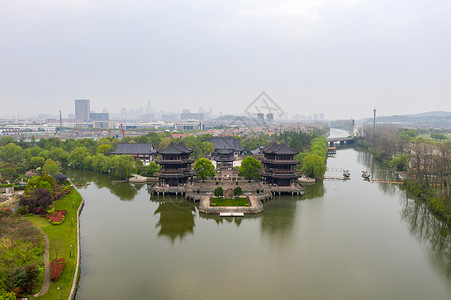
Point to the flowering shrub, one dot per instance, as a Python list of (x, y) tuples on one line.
[(56, 267), (61, 191), (57, 217)]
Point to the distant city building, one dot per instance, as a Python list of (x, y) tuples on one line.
[(168, 117), (321, 116), (82, 109), (189, 125), (315, 117), (269, 118), (123, 113), (261, 118), (99, 116), (187, 115)]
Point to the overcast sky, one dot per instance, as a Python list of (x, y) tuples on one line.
[(339, 57)]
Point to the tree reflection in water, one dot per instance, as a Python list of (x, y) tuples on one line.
[(123, 190), (430, 231), (176, 218), (378, 171)]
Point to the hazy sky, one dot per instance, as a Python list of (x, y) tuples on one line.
[(339, 57)]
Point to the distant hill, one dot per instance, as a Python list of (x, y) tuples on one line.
[(427, 119)]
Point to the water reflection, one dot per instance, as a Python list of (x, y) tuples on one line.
[(221, 220), (277, 221), (124, 190), (176, 218), (378, 170), (316, 190), (430, 231)]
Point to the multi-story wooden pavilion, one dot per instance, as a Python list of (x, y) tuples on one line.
[(278, 165), (175, 165)]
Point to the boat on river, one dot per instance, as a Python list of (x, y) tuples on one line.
[(366, 174), (346, 174)]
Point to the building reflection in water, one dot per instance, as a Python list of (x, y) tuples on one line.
[(176, 218)]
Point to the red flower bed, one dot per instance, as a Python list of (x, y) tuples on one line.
[(56, 267), (57, 216)]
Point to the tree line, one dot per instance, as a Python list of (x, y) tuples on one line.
[(426, 162)]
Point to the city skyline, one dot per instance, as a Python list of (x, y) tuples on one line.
[(342, 58)]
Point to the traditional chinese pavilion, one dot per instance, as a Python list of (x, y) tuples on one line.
[(278, 165), (175, 165)]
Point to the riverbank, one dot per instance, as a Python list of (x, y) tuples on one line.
[(62, 240), (433, 197)]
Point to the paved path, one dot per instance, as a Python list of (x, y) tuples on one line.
[(46, 283)]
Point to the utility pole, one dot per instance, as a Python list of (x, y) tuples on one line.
[(374, 122)]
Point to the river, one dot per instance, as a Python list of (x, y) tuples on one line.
[(344, 240)]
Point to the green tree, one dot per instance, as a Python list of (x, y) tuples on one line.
[(58, 154), (151, 169), (314, 165), (238, 191), (219, 192), (5, 140), (249, 168), (122, 166), (438, 136), (400, 163), (77, 157), (104, 149), (101, 163), (44, 182), (12, 153), (37, 162), (204, 168), (207, 148), (50, 168)]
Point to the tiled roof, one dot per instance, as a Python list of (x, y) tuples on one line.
[(176, 149), (226, 143), (134, 149)]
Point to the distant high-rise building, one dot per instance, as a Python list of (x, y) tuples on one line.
[(315, 117), (261, 118), (82, 107), (269, 118), (123, 113), (321, 116), (148, 108)]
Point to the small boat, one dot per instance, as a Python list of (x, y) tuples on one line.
[(346, 174), (366, 174)]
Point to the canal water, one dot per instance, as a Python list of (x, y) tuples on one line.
[(344, 240)]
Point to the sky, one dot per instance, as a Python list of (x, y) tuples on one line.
[(338, 57)]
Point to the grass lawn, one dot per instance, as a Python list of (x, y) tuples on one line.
[(427, 136), (238, 201), (60, 238)]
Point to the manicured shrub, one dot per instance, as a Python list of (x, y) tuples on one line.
[(56, 267), (219, 191), (57, 217), (238, 191)]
